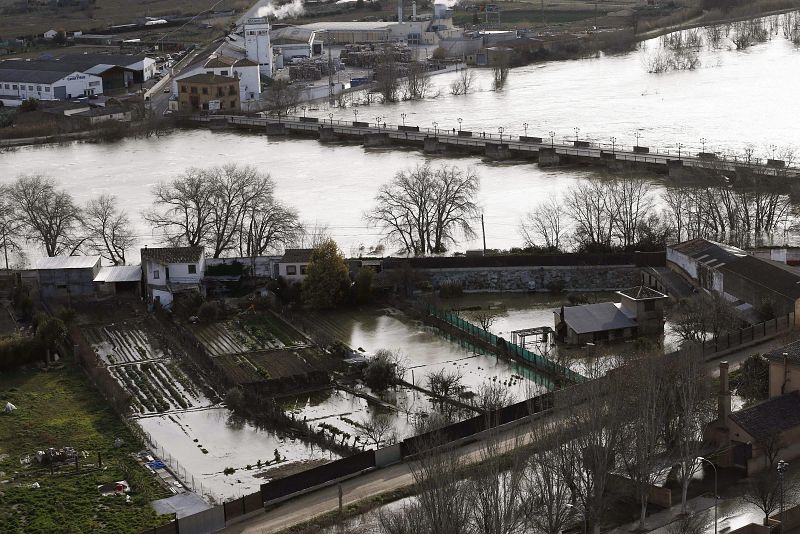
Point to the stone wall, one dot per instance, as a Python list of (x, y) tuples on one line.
[(570, 278)]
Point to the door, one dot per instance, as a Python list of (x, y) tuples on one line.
[(167, 269)]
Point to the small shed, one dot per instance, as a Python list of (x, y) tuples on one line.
[(67, 276), (119, 279)]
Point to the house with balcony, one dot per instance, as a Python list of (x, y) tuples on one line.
[(171, 270)]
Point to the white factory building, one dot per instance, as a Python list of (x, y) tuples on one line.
[(21, 84)]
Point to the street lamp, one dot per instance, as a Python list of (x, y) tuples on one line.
[(355, 115), (680, 146), (773, 148), (716, 497), (330, 116), (613, 144), (782, 467), (378, 122), (638, 135), (459, 124), (552, 136), (703, 142), (525, 126), (500, 129), (403, 116), (304, 111), (577, 131), (435, 127)]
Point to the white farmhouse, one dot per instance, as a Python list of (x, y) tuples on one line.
[(293, 265), (50, 34), (171, 270)]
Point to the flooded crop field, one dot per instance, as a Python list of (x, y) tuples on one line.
[(208, 442)]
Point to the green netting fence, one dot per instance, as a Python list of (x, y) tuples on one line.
[(540, 362)]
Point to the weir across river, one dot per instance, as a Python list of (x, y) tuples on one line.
[(547, 151)]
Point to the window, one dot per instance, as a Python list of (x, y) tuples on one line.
[(7, 87), (46, 88), (205, 106), (39, 88), (219, 92), (94, 84), (303, 269), (205, 90), (30, 88), (231, 89), (192, 269), (156, 275), (183, 88), (649, 305), (291, 269), (233, 103), (194, 90), (14, 86)]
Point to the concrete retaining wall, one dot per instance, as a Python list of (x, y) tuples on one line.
[(572, 278)]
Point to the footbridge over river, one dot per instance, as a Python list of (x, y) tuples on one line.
[(497, 146)]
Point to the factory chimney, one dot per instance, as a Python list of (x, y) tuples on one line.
[(414, 11), (399, 10)]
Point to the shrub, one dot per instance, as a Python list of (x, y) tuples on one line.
[(450, 290), (226, 269), (383, 370), (556, 286), (425, 285), (208, 312), (31, 104), (18, 350)]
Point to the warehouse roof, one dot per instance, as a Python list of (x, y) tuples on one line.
[(596, 318), (119, 273), (345, 26), (32, 76), (66, 262)]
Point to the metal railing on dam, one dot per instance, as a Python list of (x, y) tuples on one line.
[(502, 146)]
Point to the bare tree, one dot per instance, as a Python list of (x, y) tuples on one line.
[(492, 396), (282, 97), (418, 81), (496, 488), (425, 209), (702, 317), (49, 217), (11, 225), (183, 208), (688, 524), (377, 430), (444, 383), (545, 224), (484, 318), (464, 82), (588, 204), (268, 226), (630, 201), (387, 73), (108, 229), (764, 492), (501, 66)]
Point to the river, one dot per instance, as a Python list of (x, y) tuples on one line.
[(733, 99)]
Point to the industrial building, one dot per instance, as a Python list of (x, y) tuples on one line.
[(208, 92), (21, 84)]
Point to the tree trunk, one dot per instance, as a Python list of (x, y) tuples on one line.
[(48, 356), (643, 514), (684, 492)]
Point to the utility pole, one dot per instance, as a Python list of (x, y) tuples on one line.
[(483, 231), (330, 72)]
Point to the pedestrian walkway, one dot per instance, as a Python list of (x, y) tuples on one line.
[(665, 517)]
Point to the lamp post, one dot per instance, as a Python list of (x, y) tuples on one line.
[(435, 127), (716, 497), (782, 467), (703, 142), (378, 122), (355, 115), (577, 131), (304, 110), (525, 127), (773, 148), (500, 129), (680, 146), (638, 135), (403, 116), (459, 124), (552, 137), (613, 145), (330, 116)]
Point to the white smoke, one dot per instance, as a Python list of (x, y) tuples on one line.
[(448, 3), (293, 9)]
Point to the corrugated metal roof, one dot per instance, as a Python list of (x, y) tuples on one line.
[(120, 273), (596, 317), (66, 262)]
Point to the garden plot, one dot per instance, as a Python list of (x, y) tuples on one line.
[(121, 343), (256, 332), (158, 387)]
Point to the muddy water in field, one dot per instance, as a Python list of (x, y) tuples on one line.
[(229, 442)]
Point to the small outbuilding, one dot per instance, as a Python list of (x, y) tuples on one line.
[(119, 280), (67, 276)]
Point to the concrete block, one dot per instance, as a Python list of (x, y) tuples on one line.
[(327, 135), (498, 151), (377, 139), (432, 145), (276, 128), (548, 157)]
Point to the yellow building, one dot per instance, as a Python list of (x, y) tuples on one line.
[(208, 93)]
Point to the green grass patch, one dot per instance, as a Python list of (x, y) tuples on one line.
[(59, 409)]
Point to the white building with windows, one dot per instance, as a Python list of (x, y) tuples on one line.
[(245, 70), (257, 44), (48, 85), (293, 265), (171, 270)]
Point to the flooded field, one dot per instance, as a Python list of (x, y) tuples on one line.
[(425, 350), (207, 442)]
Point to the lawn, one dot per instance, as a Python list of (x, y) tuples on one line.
[(59, 409)]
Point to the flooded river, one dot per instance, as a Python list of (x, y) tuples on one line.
[(733, 99)]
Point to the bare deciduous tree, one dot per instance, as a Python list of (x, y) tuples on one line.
[(49, 217), (108, 228), (546, 225), (282, 97), (491, 396), (464, 82), (418, 81), (10, 224), (183, 208), (377, 430), (425, 209)]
